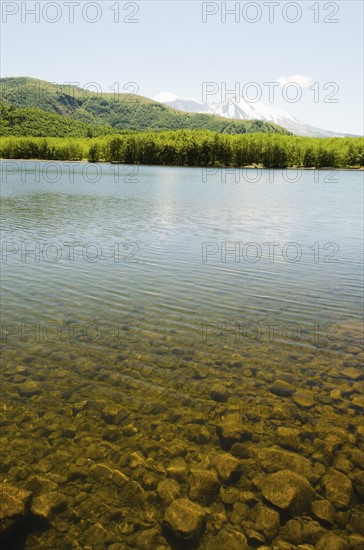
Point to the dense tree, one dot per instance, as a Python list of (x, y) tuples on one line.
[(194, 148), (37, 123)]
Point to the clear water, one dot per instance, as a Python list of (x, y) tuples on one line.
[(135, 314)]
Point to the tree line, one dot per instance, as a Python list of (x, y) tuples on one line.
[(194, 148)]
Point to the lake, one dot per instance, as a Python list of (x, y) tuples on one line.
[(156, 317)]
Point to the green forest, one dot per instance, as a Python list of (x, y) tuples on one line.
[(193, 148), (35, 122)]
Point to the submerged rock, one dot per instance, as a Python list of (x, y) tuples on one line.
[(254, 537), (338, 489), (228, 467), (356, 542), (289, 438), (288, 491), (203, 486), (282, 388), (101, 472), (332, 542), (358, 402), (292, 532), (353, 374), (99, 536), (198, 434), (312, 532), (232, 431), (240, 513), (324, 511), (15, 505), (267, 521), (119, 478), (356, 523), (133, 496), (229, 539), (168, 490), (184, 519), (49, 504), (114, 414), (304, 399), (219, 393), (178, 470), (274, 458), (29, 388), (358, 483), (145, 540)]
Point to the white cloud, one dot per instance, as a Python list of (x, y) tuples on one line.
[(301, 80), (165, 97)]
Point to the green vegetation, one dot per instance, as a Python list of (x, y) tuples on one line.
[(194, 148), (34, 122), (121, 112), (40, 120)]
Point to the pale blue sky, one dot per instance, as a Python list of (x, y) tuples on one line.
[(171, 49)]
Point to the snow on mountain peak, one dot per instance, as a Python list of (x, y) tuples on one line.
[(247, 110), (166, 97), (170, 97)]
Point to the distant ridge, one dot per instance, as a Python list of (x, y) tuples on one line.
[(122, 112), (245, 110)]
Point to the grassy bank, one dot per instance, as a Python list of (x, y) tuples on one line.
[(193, 148)]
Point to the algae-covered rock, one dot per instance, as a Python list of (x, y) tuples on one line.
[(15, 506), (219, 393), (274, 458), (356, 541), (168, 490), (288, 491), (147, 539), (133, 496), (337, 489), (289, 438), (282, 388), (229, 539), (267, 521), (324, 511), (178, 470), (198, 434), (231, 431), (332, 542), (358, 483), (304, 399), (203, 486), (292, 532), (184, 519), (49, 504), (228, 467)]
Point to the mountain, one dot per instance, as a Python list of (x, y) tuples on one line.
[(121, 112), (244, 110)]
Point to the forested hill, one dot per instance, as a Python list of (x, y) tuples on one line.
[(117, 111), (33, 122)]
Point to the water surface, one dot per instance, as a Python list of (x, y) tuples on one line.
[(148, 309)]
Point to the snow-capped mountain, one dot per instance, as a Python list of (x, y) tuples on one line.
[(245, 110)]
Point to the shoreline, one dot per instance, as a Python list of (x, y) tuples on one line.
[(247, 167)]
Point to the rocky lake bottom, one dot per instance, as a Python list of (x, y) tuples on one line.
[(162, 444), (165, 389)]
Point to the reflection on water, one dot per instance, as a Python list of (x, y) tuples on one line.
[(141, 318)]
